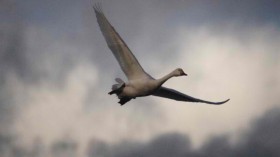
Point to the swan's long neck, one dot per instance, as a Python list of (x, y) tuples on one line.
[(165, 78)]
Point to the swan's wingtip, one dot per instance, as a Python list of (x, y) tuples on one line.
[(220, 103), (97, 7)]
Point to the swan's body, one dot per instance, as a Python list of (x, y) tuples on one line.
[(139, 82), (144, 86)]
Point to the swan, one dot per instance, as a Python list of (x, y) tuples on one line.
[(139, 82)]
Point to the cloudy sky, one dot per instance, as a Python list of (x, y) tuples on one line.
[(56, 71)]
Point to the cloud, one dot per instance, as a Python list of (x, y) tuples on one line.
[(52, 112), (164, 145), (261, 140)]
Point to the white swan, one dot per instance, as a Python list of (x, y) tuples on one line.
[(139, 82)]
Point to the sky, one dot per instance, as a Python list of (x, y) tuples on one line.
[(56, 71)]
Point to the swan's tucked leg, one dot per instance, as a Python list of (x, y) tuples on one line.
[(124, 100)]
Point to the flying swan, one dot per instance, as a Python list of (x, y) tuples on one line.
[(139, 82)]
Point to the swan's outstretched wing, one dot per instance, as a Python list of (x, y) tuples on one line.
[(126, 59), (173, 94)]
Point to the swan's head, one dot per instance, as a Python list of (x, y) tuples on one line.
[(179, 72)]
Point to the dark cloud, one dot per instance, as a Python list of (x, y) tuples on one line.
[(6, 145), (15, 57), (165, 145), (258, 11), (12, 50), (201, 12), (262, 139), (27, 45), (6, 112), (64, 147), (12, 60), (14, 63)]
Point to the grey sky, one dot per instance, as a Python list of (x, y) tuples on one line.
[(56, 69)]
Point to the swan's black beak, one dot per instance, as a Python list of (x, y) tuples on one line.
[(184, 74)]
